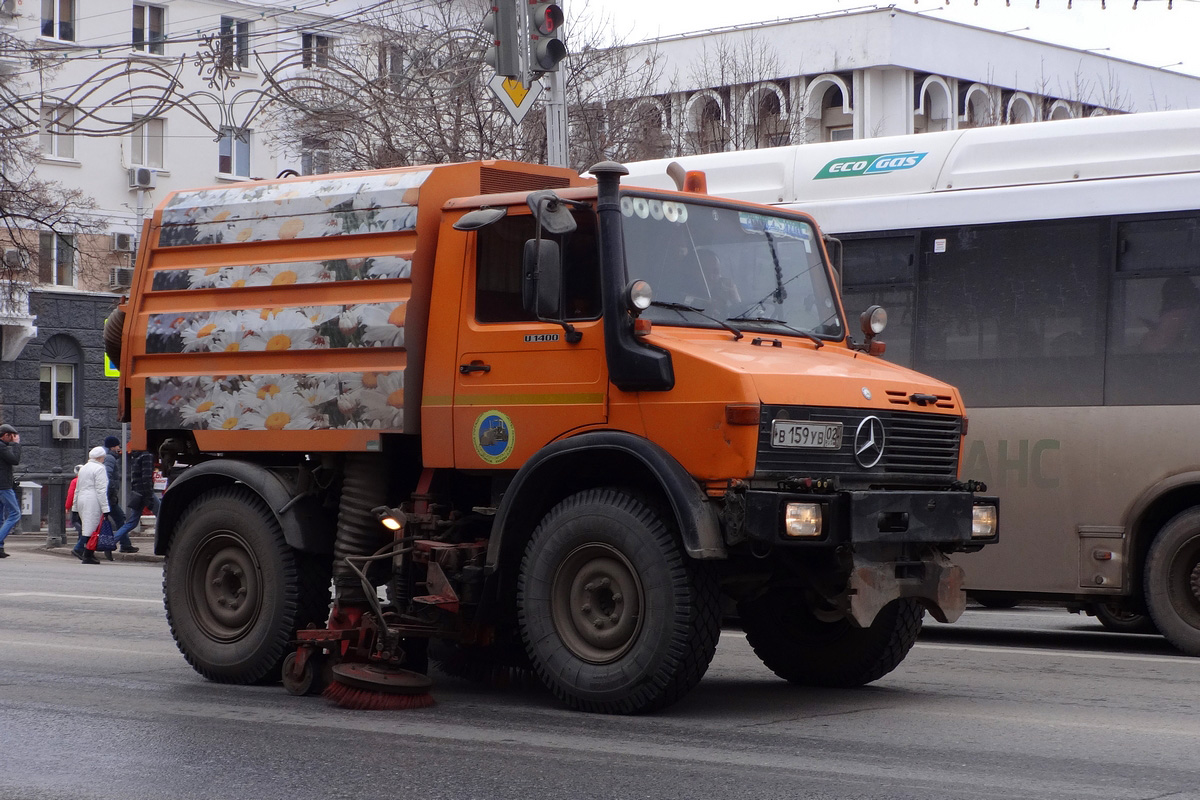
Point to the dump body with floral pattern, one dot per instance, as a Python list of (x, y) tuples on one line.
[(297, 305)]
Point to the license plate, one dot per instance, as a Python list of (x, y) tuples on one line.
[(817, 435)]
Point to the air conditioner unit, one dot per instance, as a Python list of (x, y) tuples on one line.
[(8, 8), (121, 277), (64, 428), (141, 178), (122, 242), (14, 258)]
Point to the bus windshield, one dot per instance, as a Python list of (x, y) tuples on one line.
[(711, 262)]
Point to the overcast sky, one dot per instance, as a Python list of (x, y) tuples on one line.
[(1151, 34)]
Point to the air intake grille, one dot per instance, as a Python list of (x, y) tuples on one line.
[(914, 444), (497, 181)]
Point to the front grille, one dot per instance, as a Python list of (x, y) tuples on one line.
[(914, 444)]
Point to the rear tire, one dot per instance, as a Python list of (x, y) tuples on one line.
[(803, 649), (615, 617), (1114, 617), (235, 592), (1172, 581)]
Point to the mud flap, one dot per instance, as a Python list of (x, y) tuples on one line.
[(936, 582)]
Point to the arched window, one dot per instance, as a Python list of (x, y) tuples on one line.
[(62, 359), (933, 112), (767, 126), (1020, 109), (650, 139), (712, 129)]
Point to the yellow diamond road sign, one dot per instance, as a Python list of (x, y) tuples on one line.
[(516, 99)]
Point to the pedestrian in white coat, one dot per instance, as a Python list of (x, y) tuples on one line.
[(91, 500)]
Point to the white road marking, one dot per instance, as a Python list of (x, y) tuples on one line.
[(1035, 651), (27, 644), (1038, 651), (155, 601)]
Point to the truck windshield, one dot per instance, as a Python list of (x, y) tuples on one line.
[(751, 269)]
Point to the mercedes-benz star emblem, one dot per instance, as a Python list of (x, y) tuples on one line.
[(868, 442)]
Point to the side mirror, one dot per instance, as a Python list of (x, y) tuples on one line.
[(551, 212), (541, 290)]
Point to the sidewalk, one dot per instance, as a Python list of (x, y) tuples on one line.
[(21, 544)]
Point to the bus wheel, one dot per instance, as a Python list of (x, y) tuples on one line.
[(1173, 581), (235, 591), (615, 617), (1115, 617), (813, 649)]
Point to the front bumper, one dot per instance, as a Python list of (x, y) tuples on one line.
[(894, 542), (870, 517)]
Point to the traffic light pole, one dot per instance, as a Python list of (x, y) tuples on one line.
[(556, 120)]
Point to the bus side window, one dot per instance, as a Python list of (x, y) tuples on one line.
[(881, 271)]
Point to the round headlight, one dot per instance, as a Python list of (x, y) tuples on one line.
[(873, 320), (640, 295)]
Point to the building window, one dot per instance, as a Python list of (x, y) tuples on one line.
[(58, 390), (234, 154), (315, 158), (146, 148), (393, 63), (842, 134), (55, 131), (315, 50), (58, 20), (149, 28), (235, 43), (56, 258)]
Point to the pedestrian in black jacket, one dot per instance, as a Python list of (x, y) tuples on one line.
[(10, 456), (141, 495)]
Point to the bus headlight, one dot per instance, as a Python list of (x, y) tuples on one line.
[(983, 522), (802, 520)]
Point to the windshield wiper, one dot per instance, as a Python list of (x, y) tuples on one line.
[(815, 339), (681, 307)]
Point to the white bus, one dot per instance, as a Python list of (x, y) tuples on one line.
[(1052, 273)]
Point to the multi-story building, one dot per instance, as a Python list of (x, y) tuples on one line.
[(132, 99), (876, 72)]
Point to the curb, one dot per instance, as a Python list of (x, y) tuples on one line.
[(36, 543)]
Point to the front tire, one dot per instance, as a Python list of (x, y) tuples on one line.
[(616, 619), (235, 592), (1172, 581), (799, 646)]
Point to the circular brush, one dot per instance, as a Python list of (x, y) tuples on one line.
[(371, 687)]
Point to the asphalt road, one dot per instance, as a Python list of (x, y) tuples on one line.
[(95, 702)]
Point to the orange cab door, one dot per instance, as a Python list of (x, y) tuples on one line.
[(519, 383), (520, 386)]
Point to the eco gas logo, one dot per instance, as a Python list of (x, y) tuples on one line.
[(869, 165)]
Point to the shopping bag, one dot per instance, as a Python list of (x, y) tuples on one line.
[(105, 541), (93, 540)]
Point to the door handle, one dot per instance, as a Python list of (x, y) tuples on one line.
[(467, 369)]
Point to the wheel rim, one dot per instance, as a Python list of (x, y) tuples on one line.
[(596, 603), (225, 587), (1184, 581)]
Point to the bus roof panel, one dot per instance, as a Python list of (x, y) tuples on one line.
[(1062, 151)]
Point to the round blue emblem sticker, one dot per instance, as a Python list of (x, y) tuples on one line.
[(494, 436)]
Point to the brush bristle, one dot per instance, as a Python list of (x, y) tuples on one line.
[(365, 700)]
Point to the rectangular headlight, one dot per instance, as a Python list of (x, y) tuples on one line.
[(802, 520), (983, 522)]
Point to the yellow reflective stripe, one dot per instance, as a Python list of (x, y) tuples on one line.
[(529, 399)]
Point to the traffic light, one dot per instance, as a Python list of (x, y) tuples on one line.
[(504, 53), (545, 48)]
